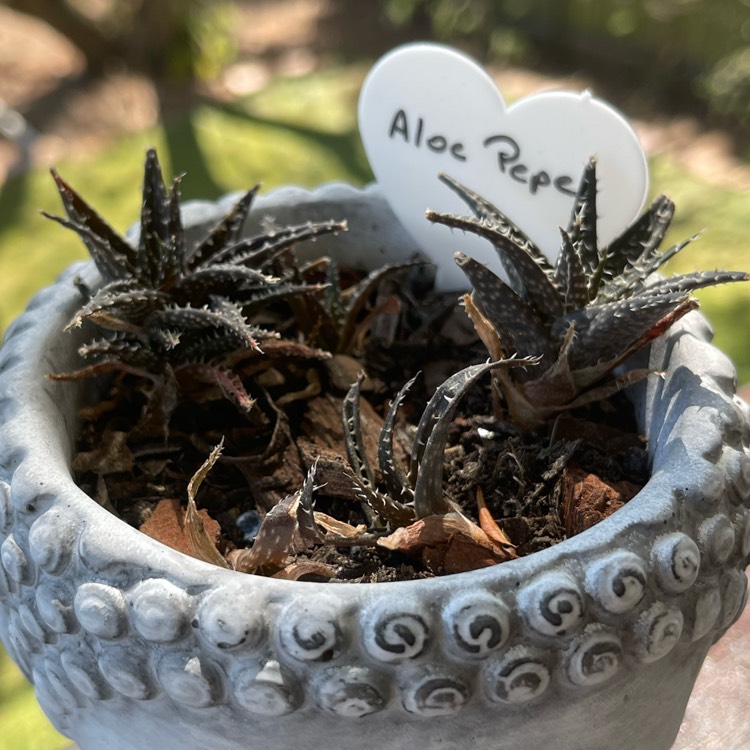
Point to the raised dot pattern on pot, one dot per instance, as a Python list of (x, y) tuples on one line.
[(594, 657), (310, 630), (393, 634), (159, 610), (270, 690), (476, 624), (435, 690), (553, 604), (351, 692), (518, 676)]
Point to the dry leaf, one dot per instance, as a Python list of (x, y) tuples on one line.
[(306, 568), (338, 528), (484, 328), (449, 543), (167, 525), (488, 524), (203, 547), (275, 539)]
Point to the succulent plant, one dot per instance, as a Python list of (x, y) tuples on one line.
[(584, 315), (163, 303), (555, 334)]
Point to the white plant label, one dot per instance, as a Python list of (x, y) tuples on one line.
[(426, 108)]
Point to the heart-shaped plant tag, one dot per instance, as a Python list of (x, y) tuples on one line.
[(425, 109)]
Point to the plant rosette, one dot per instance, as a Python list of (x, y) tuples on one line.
[(131, 644)]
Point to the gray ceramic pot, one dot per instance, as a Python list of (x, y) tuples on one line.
[(592, 644)]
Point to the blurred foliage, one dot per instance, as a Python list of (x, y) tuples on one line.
[(174, 39), (689, 49), (727, 87)]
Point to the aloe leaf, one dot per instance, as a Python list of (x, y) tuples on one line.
[(355, 449), (121, 255), (308, 526), (154, 234), (426, 473), (517, 326), (260, 250), (483, 209), (570, 275), (582, 226), (395, 481), (225, 232), (640, 239), (539, 288)]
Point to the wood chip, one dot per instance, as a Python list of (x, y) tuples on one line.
[(587, 499)]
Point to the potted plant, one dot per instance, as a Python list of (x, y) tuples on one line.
[(130, 642)]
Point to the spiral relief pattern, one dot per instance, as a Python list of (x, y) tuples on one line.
[(351, 692), (594, 657), (734, 596), (617, 581), (269, 691), (52, 540), (476, 624), (553, 604), (159, 610), (6, 509), (16, 563), (716, 537), (657, 631), (232, 618), (54, 603), (82, 670), (310, 630), (705, 612), (101, 610), (60, 683), (189, 680), (676, 560), (518, 676), (435, 691), (392, 634), (30, 622), (127, 672)]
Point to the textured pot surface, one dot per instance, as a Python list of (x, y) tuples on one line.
[(592, 644)]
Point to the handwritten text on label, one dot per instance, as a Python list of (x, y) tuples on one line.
[(507, 149), (426, 109)]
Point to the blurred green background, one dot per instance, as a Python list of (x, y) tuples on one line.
[(238, 92)]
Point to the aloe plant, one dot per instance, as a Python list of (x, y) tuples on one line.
[(555, 333), (583, 316), (166, 304)]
